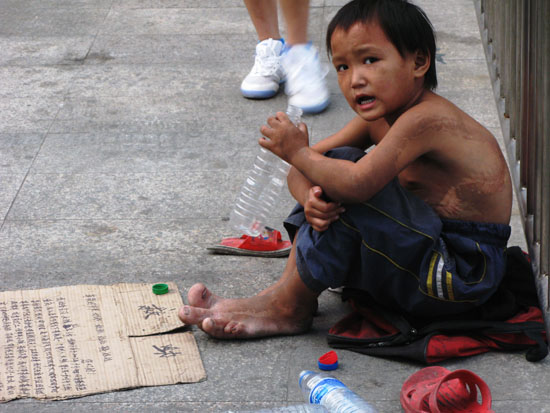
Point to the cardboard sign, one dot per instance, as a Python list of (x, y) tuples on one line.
[(64, 342)]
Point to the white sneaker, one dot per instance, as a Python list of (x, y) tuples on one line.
[(263, 80), (305, 78)]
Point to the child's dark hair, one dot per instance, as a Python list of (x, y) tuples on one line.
[(405, 25)]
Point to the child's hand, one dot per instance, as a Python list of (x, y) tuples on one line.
[(319, 213), (282, 137)]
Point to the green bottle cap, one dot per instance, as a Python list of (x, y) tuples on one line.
[(160, 289)]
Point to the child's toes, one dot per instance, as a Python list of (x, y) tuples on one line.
[(192, 315)]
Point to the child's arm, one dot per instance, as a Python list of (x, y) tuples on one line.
[(320, 213), (346, 181), (355, 133)]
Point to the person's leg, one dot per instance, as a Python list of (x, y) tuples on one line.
[(284, 309), (305, 77), (296, 13), (263, 14), (263, 80)]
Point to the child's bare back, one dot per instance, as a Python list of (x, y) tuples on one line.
[(464, 175)]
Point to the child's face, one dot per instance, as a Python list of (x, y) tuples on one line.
[(374, 78)]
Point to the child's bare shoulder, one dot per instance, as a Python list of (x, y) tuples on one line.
[(432, 114), (440, 126)]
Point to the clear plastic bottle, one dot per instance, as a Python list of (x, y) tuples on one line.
[(261, 189), (299, 408), (326, 390)]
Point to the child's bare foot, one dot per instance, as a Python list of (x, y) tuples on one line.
[(284, 310)]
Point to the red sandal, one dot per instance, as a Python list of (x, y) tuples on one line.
[(438, 390), (270, 245)]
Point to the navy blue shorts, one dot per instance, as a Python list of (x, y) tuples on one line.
[(396, 248)]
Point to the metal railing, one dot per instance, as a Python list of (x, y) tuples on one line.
[(516, 36)]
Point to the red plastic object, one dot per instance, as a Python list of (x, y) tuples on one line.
[(436, 389), (271, 245), (328, 361)]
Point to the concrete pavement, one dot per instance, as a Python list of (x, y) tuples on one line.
[(123, 142)]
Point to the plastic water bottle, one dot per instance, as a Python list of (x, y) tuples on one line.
[(326, 390), (262, 188), (299, 408)]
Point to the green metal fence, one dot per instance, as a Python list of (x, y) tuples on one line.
[(516, 36)]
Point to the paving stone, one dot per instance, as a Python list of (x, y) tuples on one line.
[(123, 142)]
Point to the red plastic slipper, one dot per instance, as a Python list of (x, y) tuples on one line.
[(438, 390), (270, 245)]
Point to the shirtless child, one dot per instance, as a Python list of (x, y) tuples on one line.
[(420, 222)]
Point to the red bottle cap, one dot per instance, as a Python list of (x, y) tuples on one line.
[(328, 361)]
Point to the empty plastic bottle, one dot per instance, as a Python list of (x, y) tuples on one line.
[(326, 390), (261, 189), (299, 408)]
